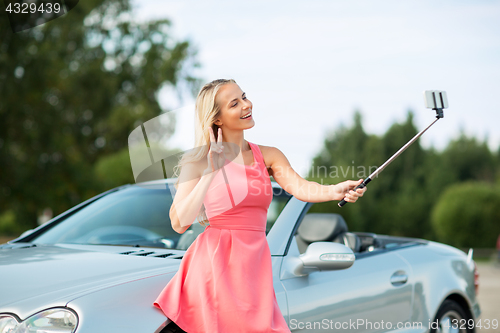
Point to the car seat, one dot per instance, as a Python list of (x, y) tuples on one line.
[(350, 240), (319, 227)]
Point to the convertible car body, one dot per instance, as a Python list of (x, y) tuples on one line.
[(99, 266)]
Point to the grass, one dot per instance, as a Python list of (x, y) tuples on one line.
[(483, 259)]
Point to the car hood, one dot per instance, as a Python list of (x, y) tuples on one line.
[(35, 278)]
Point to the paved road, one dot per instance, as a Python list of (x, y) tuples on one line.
[(489, 294)]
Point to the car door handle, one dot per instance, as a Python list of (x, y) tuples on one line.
[(399, 278)]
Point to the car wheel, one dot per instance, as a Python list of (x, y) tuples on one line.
[(451, 318)]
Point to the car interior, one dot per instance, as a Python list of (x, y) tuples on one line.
[(328, 227)]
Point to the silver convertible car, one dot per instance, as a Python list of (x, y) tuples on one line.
[(99, 266)]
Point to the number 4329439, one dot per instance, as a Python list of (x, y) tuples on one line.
[(26, 8)]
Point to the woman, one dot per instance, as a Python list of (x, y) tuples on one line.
[(224, 282)]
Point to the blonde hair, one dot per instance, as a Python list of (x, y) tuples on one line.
[(206, 113)]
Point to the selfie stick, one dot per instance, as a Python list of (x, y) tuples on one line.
[(434, 99)]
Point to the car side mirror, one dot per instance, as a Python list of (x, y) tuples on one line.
[(320, 256)]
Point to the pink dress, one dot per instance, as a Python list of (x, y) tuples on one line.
[(224, 283)]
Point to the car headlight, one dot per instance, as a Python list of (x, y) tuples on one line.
[(7, 324), (57, 320)]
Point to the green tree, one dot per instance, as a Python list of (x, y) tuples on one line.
[(71, 91), (401, 199), (396, 202), (467, 159), (467, 215), (345, 155), (497, 164)]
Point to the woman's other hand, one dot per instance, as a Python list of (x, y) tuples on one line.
[(345, 190), (215, 156)]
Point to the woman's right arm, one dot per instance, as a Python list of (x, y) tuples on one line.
[(193, 185), (189, 197)]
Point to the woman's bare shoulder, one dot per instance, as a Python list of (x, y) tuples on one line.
[(269, 153), (269, 150)]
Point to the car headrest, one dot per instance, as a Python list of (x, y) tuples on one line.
[(321, 227), (350, 240)]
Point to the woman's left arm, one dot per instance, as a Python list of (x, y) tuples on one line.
[(303, 189)]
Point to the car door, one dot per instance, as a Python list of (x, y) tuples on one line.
[(373, 295)]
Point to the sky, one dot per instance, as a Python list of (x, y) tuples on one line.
[(308, 65)]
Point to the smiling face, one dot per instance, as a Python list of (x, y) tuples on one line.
[(234, 105)]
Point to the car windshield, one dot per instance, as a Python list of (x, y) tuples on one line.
[(134, 216)]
